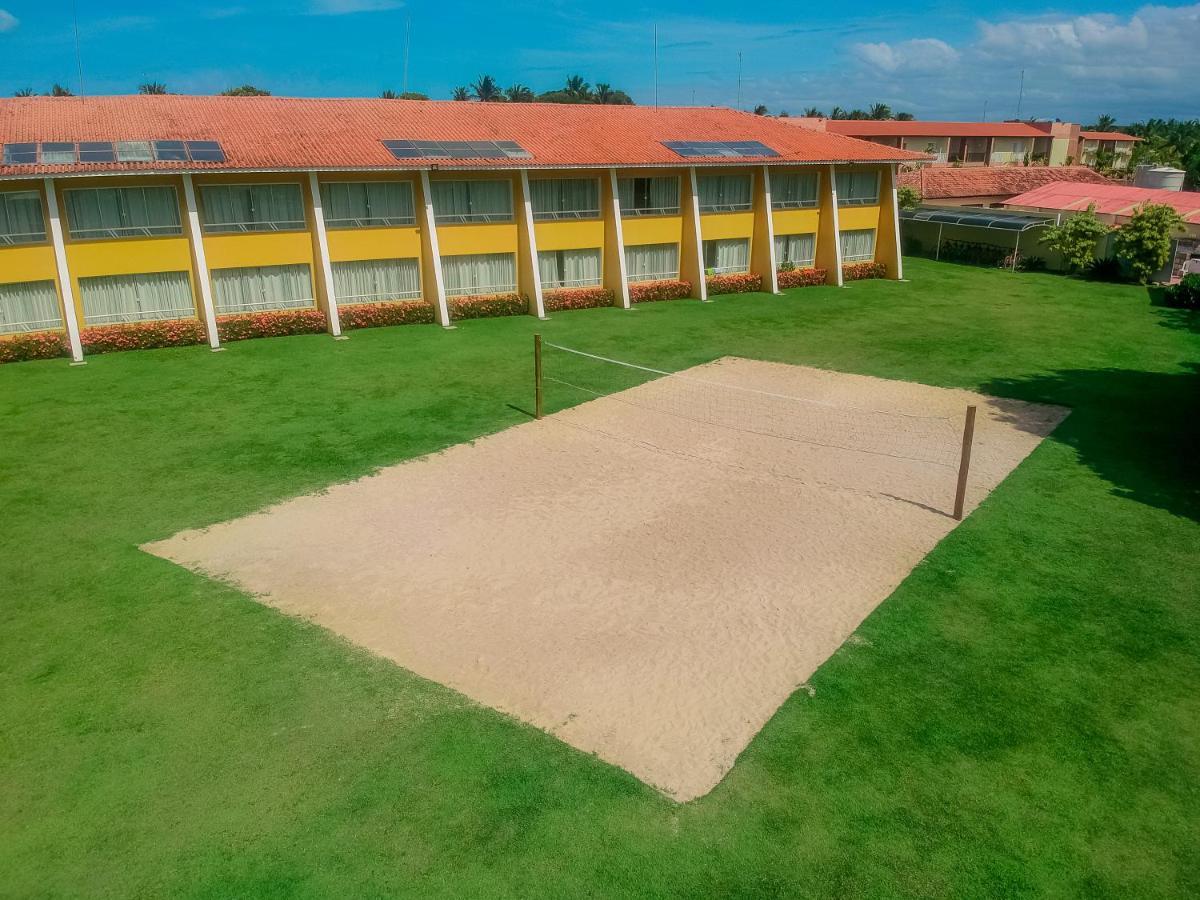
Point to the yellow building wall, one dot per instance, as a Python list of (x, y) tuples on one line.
[(721, 226), (652, 229), (760, 244), (887, 248), (827, 228), (352, 244), (569, 234), (855, 217), (27, 262), (492, 237)]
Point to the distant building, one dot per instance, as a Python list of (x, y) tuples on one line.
[(988, 186)]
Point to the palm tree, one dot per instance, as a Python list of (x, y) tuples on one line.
[(837, 113), (389, 95), (904, 117), (461, 93), (880, 111), (486, 90), (857, 114), (604, 93), (761, 109), (519, 93), (579, 89), (152, 87), (1104, 123), (59, 91), (25, 92), (813, 113)]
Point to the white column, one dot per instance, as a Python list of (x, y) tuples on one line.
[(837, 228), (442, 310), (896, 222), (766, 176), (620, 233), (197, 239), (335, 320), (699, 248), (539, 303), (64, 274)]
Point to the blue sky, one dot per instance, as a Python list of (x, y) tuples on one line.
[(935, 59)]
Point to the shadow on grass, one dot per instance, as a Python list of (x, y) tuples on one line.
[(1140, 431), (1172, 316)]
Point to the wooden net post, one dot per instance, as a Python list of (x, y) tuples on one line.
[(964, 463), (537, 376)]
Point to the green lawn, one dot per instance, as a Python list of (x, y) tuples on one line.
[(1021, 718)]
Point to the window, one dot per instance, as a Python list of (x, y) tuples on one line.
[(123, 212), (455, 202), (857, 188), (649, 196), (652, 262), (29, 306), (725, 193), (237, 208), (565, 198), (728, 255), (569, 268), (858, 246), (367, 204), (262, 287), (794, 191), (798, 249), (136, 298), (21, 219), (484, 273), (376, 280)]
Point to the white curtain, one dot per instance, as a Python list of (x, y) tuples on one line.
[(29, 306), (797, 249), (136, 298), (857, 188), (21, 219), (366, 204), (376, 280), (728, 255), (649, 196), (725, 193), (123, 212), (858, 246), (652, 262), (252, 207), (565, 198), (794, 190), (484, 273), (569, 268), (472, 201), (262, 287)]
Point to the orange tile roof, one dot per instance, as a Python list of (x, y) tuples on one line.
[(948, 182), (1110, 199), (276, 133), (892, 128), (1107, 136)]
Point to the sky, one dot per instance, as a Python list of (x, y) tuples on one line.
[(936, 60)]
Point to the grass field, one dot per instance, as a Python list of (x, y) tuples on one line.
[(1021, 718)]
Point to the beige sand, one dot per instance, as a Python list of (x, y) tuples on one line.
[(647, 587)]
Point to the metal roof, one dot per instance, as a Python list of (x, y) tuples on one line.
[(996, 219)]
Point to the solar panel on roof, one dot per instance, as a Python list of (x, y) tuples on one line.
[(170, 151), (97, 152), (20, 154), (456, 150), (205, 151), (134, 151), (719, 149), (58, 153)]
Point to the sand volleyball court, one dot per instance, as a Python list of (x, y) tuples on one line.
[(647, 575)]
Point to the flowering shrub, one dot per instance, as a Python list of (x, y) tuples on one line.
[(142, 335), (733, 283), (484, 306), (791, 278), (577, 298), (862, 270), (650, 291), (374, 315), (276, 323), (43, 345)]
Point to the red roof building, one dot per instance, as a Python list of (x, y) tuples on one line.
[(1114, 203), (988, 185)]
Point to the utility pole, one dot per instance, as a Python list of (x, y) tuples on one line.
[(78, 51), (1021, 93), (407, 44), (656, 65), (739, 103)]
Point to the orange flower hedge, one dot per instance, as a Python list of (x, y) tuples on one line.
[(142, 336), (375, 315), (276, 323), (790, 278), (485, 306), (733, 283), (43, 345), (651, 291), (559, 299), (863, 270)]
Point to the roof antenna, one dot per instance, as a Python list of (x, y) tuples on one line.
[(78, 52), (407, 44), (1021, 94), (985, 103), (739, 81), (656, 65)]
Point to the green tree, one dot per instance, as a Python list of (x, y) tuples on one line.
[(486, 90), (1104, 123), (837, 113), (461, 93), (578, 88), (389, 95), (761, 109), (1075, 239), (25, 92), (57, 90), (1174, 142), (1145, 240), (812, 112), (246, 90), (908, 198), (904, 117), (152, 87), (880, 111), (519, 93), (413, 95)]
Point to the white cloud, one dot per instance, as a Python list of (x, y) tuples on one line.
[(918, 55), (8, 21), (345, 7)]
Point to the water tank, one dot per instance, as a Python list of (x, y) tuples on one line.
[(1159, 178)]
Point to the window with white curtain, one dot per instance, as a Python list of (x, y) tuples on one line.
[(857, 188), (565, 198), (21, 220), (257, 288), (652, 262), (482, 273), (794, 190), (455, 202), (123, 212), (238, 208), (376, 280), (569, 268), (798, 249), (29, 306), (657, 196), (367, 204), (859, 245), (109, 299), (725, 193), (727, 255)]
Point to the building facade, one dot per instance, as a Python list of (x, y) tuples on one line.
[(130, 209)]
